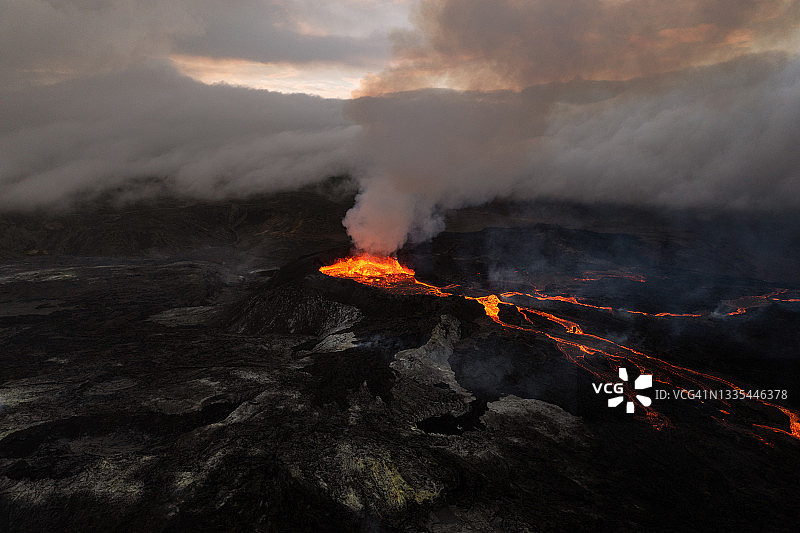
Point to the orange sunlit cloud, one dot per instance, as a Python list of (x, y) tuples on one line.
[(506, 44), (325, 80)]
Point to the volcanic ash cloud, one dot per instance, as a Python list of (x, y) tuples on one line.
[(552, 101)]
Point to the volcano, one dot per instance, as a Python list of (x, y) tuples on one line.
[(593, 353), (180, 365)]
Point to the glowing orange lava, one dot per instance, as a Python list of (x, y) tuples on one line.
[(600, 356), (366, 266), (380, 271), (491, 305)]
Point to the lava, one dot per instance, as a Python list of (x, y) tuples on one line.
[(566, 299), (381, 271), (367, 266), (740, 305), (600, 356), (743, 304)]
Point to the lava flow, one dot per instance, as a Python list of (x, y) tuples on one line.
[(597, 355), (380, 271)]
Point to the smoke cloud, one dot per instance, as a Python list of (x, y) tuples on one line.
[(683, 103), (512, 44), (49, 41), (78, 138), (680, 104), (90, 100)]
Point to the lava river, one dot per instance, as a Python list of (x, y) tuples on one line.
[(600, 356)]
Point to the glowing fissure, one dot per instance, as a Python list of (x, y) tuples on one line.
[(759, 302), (599, 356)]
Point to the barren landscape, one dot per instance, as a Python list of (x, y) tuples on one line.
[(185, 365)]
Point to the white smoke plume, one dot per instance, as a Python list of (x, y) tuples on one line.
[(685, 104)]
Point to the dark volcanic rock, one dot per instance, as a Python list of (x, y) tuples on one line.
[(238, 390), (293, 309)]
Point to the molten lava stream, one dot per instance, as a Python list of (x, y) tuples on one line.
[(597, 355), (740, 306)]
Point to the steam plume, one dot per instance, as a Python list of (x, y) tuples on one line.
[(686, 103)]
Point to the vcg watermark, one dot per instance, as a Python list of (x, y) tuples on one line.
[(644, 381)]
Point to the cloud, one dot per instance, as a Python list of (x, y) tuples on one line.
[(49, 41), (691, 102), (81, 137), (511, 44), (90, 99), (720, 136), (716, 136), (684, 103), (275, 33), (45, 42)]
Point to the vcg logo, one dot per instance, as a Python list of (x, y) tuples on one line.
[(644, 381)]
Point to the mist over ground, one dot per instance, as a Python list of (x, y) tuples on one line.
[(691, 104), (82, 137)]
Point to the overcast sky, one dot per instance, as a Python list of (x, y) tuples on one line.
[(288, 45), (681, 103)]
